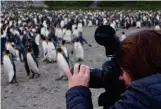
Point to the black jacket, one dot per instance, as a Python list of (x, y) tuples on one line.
[(144, 93)]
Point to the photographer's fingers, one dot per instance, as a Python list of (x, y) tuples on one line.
[(82, 69), (87, 75), (87, 71), (76, 69)]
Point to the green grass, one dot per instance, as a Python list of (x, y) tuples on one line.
[(105, 5)]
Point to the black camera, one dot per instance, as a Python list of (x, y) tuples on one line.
[(105, 36), (108, 76)]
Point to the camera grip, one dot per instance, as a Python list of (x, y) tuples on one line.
[(95, 77)]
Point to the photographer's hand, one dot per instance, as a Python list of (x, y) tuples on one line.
[(80, 76), (79, 96)]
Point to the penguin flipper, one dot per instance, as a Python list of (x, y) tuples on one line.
[(14, 69), (35, 59), (89, 45), (67, 59), (26, 66), (67, 55)]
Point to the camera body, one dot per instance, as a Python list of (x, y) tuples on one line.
[(100, 78), (111, 69), (108, 76)]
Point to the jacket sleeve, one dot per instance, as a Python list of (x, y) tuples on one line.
[(79, 97), (35, 59), (136, 96)]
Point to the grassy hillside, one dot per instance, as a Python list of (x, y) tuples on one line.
[(68, 3), (105, 4)]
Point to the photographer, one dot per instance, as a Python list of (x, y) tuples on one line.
[(140, 63)]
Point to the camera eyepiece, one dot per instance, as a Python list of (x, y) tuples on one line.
[(104, 34)]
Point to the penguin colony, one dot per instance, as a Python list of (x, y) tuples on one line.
[(26, 31)]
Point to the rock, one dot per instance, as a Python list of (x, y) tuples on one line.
[(5, 97), (34, 105), (43, 89), (23, 106)]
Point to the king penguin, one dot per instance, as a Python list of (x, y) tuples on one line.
[(56, 31), (44, 46), (138, 24), (44, 31), (59, 33), (80, 27), (51, 51), (113, 25), (75, 32), (62, 64), (67, 35), (78, 50), (62, 24), (104, 21), (85, 22), (32, 63), (89, 23), (10, 46), (157, 27), (9, 67), (37, 39), (73, 27)]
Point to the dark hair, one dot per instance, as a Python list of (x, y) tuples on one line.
[(140, 54)]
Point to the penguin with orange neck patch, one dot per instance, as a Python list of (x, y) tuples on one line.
[(32, 63), (10, 46), (63, 64), (44, 46)]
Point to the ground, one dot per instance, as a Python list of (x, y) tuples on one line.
[(45, 92)]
